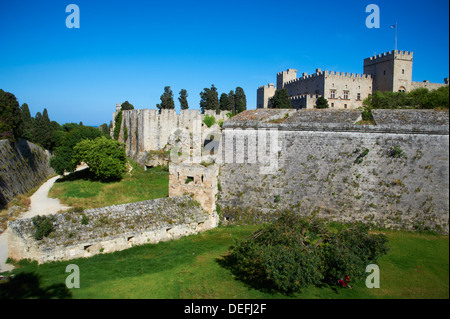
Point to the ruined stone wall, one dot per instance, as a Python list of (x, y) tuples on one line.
[(196, 179), (394, 174), (108, 229), (148, 130), (23, 166)]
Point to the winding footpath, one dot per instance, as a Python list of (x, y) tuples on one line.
[(40, 204)]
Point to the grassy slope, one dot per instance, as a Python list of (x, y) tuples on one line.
[(80, 191), (416, 267)]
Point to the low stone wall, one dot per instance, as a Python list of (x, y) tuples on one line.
[(109, 229)]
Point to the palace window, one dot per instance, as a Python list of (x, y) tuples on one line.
[(358, 96), (332, 94), (346, 95)]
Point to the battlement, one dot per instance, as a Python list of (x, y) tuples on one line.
[(288, 71), (304, 96), (387, 56), (320, 73), (270, 85)]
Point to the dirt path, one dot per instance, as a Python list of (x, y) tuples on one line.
[(40, 204)]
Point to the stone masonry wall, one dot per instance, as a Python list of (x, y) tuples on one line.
[(23, 166), (149, 130), (108, 229), (394, 174)]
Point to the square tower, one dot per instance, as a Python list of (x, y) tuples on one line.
[(263, 94), (285, 76), (391, 71)]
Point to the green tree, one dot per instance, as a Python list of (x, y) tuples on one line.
[(42, 130), (106, 158), (27, 122), (184, 105), (127, 106), (281, 100), (62, 159), (167, 102), (240, 100), (11, 123), (223, 102), (209, 99), (117, 125), (230, 105), (104, 128), (321, 103)]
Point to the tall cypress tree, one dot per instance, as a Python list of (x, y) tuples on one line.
[(166, 100), (281, 100), (230, 105), (240, 100), (27, 122), (223, 102), (209, 99), (42, 130), (183, 100)]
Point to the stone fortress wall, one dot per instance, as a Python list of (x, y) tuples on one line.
[(394, 173), (148, 130), (23, 166)]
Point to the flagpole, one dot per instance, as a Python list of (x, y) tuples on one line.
[(396, 36)]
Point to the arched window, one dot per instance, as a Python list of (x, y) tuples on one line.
[(402, 89)]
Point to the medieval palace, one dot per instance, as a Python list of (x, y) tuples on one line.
[(390, 71)]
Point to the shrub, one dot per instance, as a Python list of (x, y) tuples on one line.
[(396, 152), (43, 226), (294, 252), (106, 158), (209, 120), (84, 220)]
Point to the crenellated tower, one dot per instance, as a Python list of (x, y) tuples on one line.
[(285, 76), (391, 71)]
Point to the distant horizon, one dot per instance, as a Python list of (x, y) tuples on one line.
[(129, 51)]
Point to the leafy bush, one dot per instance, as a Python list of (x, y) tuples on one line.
[(106, 158), (420, 98), (209, 120), (43, 226), (295, 252)]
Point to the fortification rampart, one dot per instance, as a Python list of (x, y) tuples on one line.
[(394, 174), (23, 166), (108, 229)]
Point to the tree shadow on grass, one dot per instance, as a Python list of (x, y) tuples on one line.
[(255, 280), (28, 285), (86, 175), (258, 280)]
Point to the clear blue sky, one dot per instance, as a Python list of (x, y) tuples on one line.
[(129, 50)]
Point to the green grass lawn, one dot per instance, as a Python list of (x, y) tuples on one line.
[(416, 267), (78, 190)]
